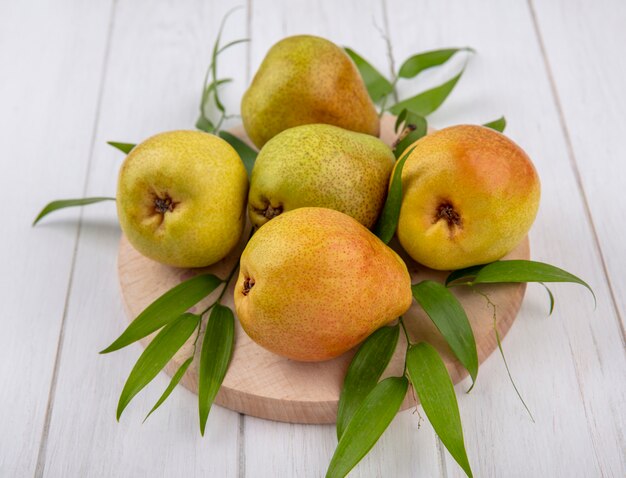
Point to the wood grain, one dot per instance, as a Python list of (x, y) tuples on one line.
[(564, 365), (157, 60), (265, 385), (51, 57)]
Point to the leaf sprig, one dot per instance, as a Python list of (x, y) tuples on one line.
[(212, 83), (177, 326), (424, 103)]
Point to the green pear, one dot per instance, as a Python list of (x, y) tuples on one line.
[(306, 79), (324, 166), (313, 283), (181, 198)]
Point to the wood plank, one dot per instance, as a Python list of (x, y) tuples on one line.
[(51, 56), (153, 81), (565, 365), (297, 450), (588, 69)]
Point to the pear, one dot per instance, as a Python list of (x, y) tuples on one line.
[(314, 282), (324, 166), (470, 195), (306, 79), (181, 198)]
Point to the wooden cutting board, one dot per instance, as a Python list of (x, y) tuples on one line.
[(262, 384)]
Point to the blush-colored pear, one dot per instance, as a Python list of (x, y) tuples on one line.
[(314, 283), (470, 195)]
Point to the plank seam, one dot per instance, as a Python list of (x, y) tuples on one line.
[(574, 165), (43, 443), (583, 398), (241, 473), (442, 458), (241, 443)]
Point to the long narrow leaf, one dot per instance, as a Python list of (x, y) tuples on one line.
[(498, 124), (123, 147), (217, 349), (366, 367), (550, 296), (205, 124), (377, 85), (172, 385), (367, 425), (415, 64), (232, 43), (156, 355), (387, 223), (447, 313), (63, 203), (166, 308), (428, 101), (515, 271), (245, 152), (462, 276), (434, 388)]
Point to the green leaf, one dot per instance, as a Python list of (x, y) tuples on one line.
[(156, 355), (423, 61), (205, 124), (367, 425), (123, 147), (211, 89), (246, 153), (415, 127), (166, 308), (217, 349), (428, 101), (434, 388), (550, 296), (232, 43), (366, 367), (377, 85), (399, 120), (387, 223), (462, 274), (515, 271), (447, 313), (63, 203), (170, 388), (498, 124)]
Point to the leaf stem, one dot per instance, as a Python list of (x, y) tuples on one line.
[(499, 341), (408, 341)]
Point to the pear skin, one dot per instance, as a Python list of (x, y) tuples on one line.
[(470, 195), (323, 166), (306, 79), (181, 198), (314, 282)]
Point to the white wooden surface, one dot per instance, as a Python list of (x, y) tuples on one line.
[(75, 74)]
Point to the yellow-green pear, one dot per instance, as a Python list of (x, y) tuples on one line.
[(314, 282), (181, 198), (306, 79), (324, 166), (470, 195)]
